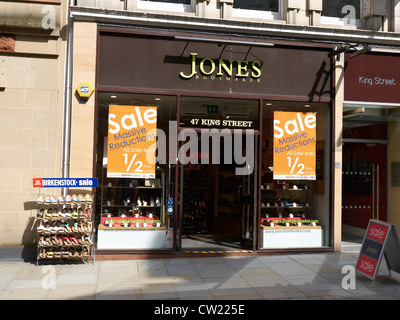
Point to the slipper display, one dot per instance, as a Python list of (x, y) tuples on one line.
[(64, 227)]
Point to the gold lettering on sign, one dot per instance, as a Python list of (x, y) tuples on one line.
[(208, 66)]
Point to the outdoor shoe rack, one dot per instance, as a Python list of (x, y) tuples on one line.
[(65, 228)]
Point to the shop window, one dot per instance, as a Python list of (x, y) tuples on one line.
[(169, 5), (264, 9), (134, 205), (342, 12), (295, 175)]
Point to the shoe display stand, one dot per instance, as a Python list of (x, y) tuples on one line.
[(65, 228)]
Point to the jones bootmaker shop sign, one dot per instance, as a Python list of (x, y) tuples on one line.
[(162, 62), (294, 145), (131, 141)]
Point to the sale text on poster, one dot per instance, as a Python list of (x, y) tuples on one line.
[(131, 141), (294, 145)]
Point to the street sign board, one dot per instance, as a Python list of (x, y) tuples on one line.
[(381, 240)]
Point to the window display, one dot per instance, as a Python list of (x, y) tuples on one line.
[(133, 205), (293, 205)]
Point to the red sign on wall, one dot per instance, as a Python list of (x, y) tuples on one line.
[(372, 78)]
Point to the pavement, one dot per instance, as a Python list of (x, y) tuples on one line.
[(319, 276)]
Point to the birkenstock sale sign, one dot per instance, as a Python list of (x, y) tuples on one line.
[(294, 145), (64, 182), (131, 141)]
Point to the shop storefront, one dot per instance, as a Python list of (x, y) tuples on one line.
[(212, 138)]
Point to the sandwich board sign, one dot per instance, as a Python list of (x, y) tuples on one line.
[(381, 240)]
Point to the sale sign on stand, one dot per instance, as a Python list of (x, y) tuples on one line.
[(381, 240), (131, 143), (294, 145)]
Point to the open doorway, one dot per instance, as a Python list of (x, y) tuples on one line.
[(364, 191), (218, 203), (217, 189)]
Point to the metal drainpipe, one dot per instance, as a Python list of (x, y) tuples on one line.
[(66, 130)]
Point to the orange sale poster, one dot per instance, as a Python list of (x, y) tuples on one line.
[(131, 141), (294, 146)]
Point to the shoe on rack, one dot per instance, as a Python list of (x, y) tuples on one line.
[(88, 198), (67, 229), (46, 228), (81, 239), (88, 240), (66, 240), (42, 253), (49, 213), (60, 199), (54, 241), (75, 213), (74, 199), (80, 199), (40, 228), (47, 200), (74, 241), (85, 252), (48, 242), (68, 199), (40, 214), (72, 252), (40, 200), (88, 213), (53, 200), (42, 241)]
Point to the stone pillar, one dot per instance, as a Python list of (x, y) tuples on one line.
[(208, 8), (314, 9), (375, 14), (226, 7), (337, 156), (396, 16), (82, 126), (291, 10)]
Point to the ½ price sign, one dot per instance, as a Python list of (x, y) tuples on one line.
[(294, 145), (131, 141)]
